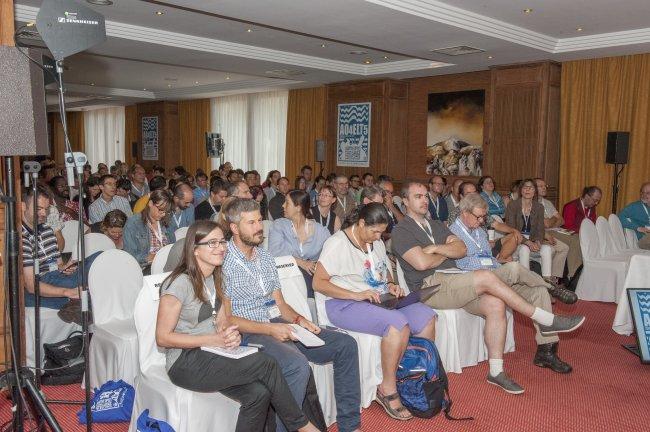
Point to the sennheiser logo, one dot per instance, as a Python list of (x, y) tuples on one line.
[(71, 17)]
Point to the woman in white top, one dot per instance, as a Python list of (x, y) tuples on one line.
[(352, 272)]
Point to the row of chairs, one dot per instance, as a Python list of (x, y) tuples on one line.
[(607, 250)]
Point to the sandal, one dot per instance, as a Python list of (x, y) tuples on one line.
[(395, 413)]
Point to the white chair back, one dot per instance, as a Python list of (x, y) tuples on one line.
[(159, 261), (145, 314), (589, 240), (605, 239), (114, 281), (266, 224), (70, 234), (631, 239), (294, 289), (180, 233), (94, 242), (401, 280), (618, 234)]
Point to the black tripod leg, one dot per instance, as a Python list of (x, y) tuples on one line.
[(41, 406)]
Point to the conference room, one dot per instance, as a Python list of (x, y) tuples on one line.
[(332, 215)]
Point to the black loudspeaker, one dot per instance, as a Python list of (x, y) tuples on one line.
[(134, 150), (23, 120), (617, 147), (320, 150)]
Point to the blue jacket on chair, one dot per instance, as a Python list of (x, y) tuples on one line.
[(137, 237)]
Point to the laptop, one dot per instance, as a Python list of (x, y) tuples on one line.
[(389, 301)]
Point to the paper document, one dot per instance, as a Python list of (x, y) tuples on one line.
[(234, 353), (306, 337)]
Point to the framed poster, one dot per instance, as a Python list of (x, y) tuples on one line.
[(455, 133), (640, 306), (353, 135), (150, 138)]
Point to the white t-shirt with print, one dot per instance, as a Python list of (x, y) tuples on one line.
[(350, 268)]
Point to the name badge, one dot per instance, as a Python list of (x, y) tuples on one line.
[(486, 260), (272, 309)]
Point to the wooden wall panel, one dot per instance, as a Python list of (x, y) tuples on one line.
[(194, 122), (306, 119), (131, 134), (168, 133), (419, 89), (76, 134)]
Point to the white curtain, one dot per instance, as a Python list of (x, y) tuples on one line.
[(104, 133), (254, 127)]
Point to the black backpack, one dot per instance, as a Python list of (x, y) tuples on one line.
[(64, 361)]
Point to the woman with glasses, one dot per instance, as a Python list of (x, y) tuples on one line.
[(147, 232), (298, 235), (496, 206), (190, 316), (526, 215), (323, 212)]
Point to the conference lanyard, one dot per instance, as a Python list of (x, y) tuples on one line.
[(527, 226), (436, 205), (494, 200), (587, 211), (327, 221), (259, 272), (180, 218), (368, 254), (212, 296), (214, 210), (296, 233), (426, 231), (343, 203), (140, 192)]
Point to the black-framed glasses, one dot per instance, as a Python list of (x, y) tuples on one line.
[(213, 244), (479, 217)]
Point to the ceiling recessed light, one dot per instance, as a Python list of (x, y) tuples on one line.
[(385, 57), (169, 85), (367, 61), (249, 30), (358, 52), (528, 10), (323, 45), (196, 82), (490, 57), (101, 2), (579, 29), (92, 84), (160, 13), (144, 89)]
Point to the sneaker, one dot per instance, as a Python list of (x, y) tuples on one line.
[(562, 324), (559, 292), (506, 383)]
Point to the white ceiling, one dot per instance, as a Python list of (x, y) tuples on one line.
[(207, 41)]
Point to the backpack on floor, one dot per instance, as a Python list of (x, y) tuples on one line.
[(64, 361), (422, 382)]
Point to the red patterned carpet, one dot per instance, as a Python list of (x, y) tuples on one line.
[(609, 389)]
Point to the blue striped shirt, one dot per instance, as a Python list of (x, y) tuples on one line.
[(99, 208), (477, 244), (249, 283)]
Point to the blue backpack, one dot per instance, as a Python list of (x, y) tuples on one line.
[(422, 382), (111, 403)]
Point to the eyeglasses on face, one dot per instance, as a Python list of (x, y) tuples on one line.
[(479, 217), (213, 244)]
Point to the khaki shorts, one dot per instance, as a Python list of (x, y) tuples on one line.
[(456, 291)]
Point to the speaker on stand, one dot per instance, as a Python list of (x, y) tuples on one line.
[(617, 154), (320, 154)]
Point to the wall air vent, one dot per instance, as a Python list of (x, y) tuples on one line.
[(457, 50)]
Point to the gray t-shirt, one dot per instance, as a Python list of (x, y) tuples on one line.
[(195, 317), (409, 234)]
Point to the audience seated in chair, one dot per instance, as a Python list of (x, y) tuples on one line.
[(182, 214), (575, 211), (298, 235), (276, 203), (139, 185), (425, 247), (147, 232), (189, 313), (352, 271), (156, 182), (107, 200), (526, 215), (212, 204), (437, 203), (636, 216), (345, 200), (487, 188), (253, 301), (112, 226), (323, 211)]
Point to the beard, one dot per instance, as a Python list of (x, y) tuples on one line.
[(253, 239)]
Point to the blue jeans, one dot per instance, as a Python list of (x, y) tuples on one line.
[(60, 280), (341, 350)]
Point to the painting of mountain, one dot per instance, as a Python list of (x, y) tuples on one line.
[(455, 133)]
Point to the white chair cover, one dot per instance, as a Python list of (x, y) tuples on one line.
[(114, 281), (180, 233), (70, 233), (608, 247), (638, 276), (94, 242), (184, 410), (294, 292), (52, 330), (160, 259), (460, 335), (631, 239), (618, 234), (266, 225), (602, 279)]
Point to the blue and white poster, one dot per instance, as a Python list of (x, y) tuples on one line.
[(640, 306), (150, 138), (353, 135)]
